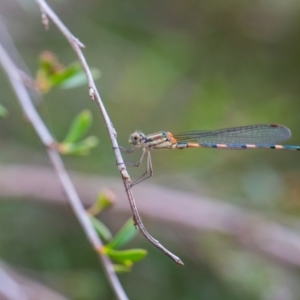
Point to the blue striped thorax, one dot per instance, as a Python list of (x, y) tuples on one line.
[(158, 140)]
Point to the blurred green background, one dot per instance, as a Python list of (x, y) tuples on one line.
[(165, 65)]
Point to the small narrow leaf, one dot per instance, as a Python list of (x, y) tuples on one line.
[(125, 234), (121, 268), (104, 200), (80, 148), (101, 229), (80, 125), (3, 111), (49, 64), (51, 73), (61, 77), (42, 82), (79, 79), (126, 257)]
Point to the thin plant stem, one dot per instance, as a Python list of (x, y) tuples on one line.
[(95, 96), (42, 131)]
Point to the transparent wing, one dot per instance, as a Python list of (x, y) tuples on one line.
[(263, 134)]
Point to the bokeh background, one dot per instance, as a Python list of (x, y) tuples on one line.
[(165, 65)]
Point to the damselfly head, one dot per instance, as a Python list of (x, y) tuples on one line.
[(137, 139)]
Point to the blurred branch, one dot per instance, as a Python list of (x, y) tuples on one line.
[(14, 286), (46, 12), (252, 230), (23, 97)]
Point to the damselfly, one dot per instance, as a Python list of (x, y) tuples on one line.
[(246, 137)]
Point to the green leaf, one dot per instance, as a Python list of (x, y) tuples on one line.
[(105, 199), (121, 268), (51, 73), (125, 234), (101, 229), (80, 125), (80, 148), (126, 257), (3, 111), (48, 63), (59, 78), (79, 79)]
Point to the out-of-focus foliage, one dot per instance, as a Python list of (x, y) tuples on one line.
[(125, 234), (124, 259), (51, 73), (102, 230), (73, 144), (104, 199), (176, 66), (3, 111), (79, 127)]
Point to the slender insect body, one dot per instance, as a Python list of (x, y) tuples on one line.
[(264, 136)]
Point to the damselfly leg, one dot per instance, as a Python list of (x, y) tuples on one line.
[(149, 170)]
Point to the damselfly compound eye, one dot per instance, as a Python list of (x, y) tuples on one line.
[(135, 139)]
